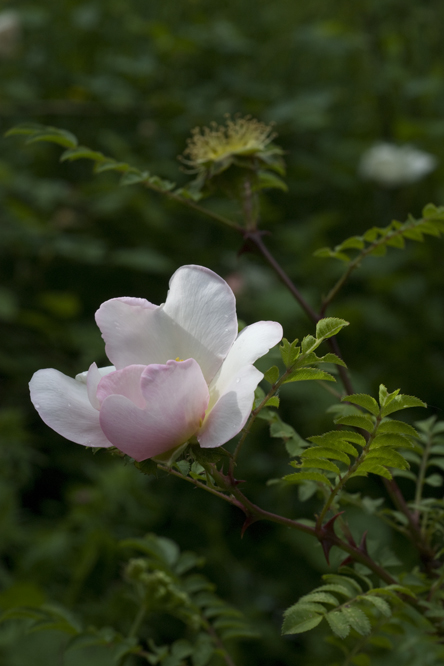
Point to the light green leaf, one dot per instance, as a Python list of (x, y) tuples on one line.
[(321, 463), (319, 597), (299, 477), (44, 133), (289, 351), (81, 152), (299, 622), (434, 480), (390, 440), (363, 400), (326, 328), (272, 402), (361, 421), (357, 619), (331, 358), (374, 468), (397, 427), (306, 374), (381, 604), (402, 402), (354, 243), (335, 437), (388, 457), (272, 375), (339, 623), (309, 344), (385, 397), (316, 452)]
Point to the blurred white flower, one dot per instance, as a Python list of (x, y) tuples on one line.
[(392, 166), (10, 33)]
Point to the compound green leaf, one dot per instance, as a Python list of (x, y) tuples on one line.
[(37, 133)]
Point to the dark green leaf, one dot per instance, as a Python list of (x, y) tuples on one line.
[(305, 374), (339, 623), (357, 619), (272, 375)]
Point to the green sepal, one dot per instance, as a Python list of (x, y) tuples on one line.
[(363, 400)]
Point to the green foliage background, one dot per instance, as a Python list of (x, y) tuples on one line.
[(131, 79)]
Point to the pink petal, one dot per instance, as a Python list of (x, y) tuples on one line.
[(176, 396), (64, 406), (125, 382), (253, 342), (232, 410)]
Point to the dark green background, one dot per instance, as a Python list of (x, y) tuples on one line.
[(132, 79)]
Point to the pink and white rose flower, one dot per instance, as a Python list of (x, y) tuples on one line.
[(180, 371)]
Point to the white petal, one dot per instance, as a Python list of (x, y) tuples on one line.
[(136, 332), (253, 342), (64, 406), (92, 378), (198, 320), (231, 411), (203, 308)]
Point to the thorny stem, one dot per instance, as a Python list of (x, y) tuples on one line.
[(255, 513)]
